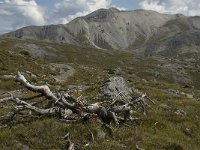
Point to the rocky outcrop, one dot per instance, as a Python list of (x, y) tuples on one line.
[(187, 42), (35, 51), (116, 88)]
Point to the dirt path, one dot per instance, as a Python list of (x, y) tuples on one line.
[(64, 70)]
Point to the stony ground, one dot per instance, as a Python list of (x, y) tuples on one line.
[(172, 124)]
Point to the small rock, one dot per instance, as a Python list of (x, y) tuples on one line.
[(100, 134), (77, 88), (28, 72), (33, 76), (190, 96), (188, 131), (180, 112), (165, 107), (144, 80)]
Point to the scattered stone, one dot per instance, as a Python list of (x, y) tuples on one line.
[(171, 71), (28, 72), (188, 131), (31, 74), (173, 110), (144, 80), (178, 93), (165, 107), (190, 96), (77, 88), (180, 112)]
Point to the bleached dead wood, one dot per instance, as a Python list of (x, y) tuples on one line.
[(70, 144), (44, 89), (22, 104), (59, 102)]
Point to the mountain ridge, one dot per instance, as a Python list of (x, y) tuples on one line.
[(114, 29)]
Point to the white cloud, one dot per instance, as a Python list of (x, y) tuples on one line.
[(119, 8), (15, 14), (187, 7), (66, 10), (18, 13)]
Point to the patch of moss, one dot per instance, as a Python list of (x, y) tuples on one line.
[(26, 53)]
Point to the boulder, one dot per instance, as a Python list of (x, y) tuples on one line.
[(116, 88)]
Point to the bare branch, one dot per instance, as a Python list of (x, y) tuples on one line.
[(71, 109), (70, 145), (44, 89), (26, 105)]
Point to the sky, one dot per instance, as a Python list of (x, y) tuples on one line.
[(15, 14)]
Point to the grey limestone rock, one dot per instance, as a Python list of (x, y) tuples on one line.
[(116, 88)]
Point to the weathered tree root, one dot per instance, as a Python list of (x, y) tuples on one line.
[(69, 108)]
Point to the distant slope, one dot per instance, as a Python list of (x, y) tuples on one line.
[(151, 31), (54, 33), (181, 44), (177, 37), (104, 28)]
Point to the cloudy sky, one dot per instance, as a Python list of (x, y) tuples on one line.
[(15, 14)]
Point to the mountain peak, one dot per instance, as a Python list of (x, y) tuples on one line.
[(101, 14), (113, 9)]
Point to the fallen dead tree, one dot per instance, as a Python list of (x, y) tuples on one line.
[(76, 110)]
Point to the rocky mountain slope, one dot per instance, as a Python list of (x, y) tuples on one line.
[(143, 31), (90, 73)]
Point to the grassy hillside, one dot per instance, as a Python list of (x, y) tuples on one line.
[(172, 124)]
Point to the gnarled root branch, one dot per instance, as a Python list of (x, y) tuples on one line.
[(69, 108)]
